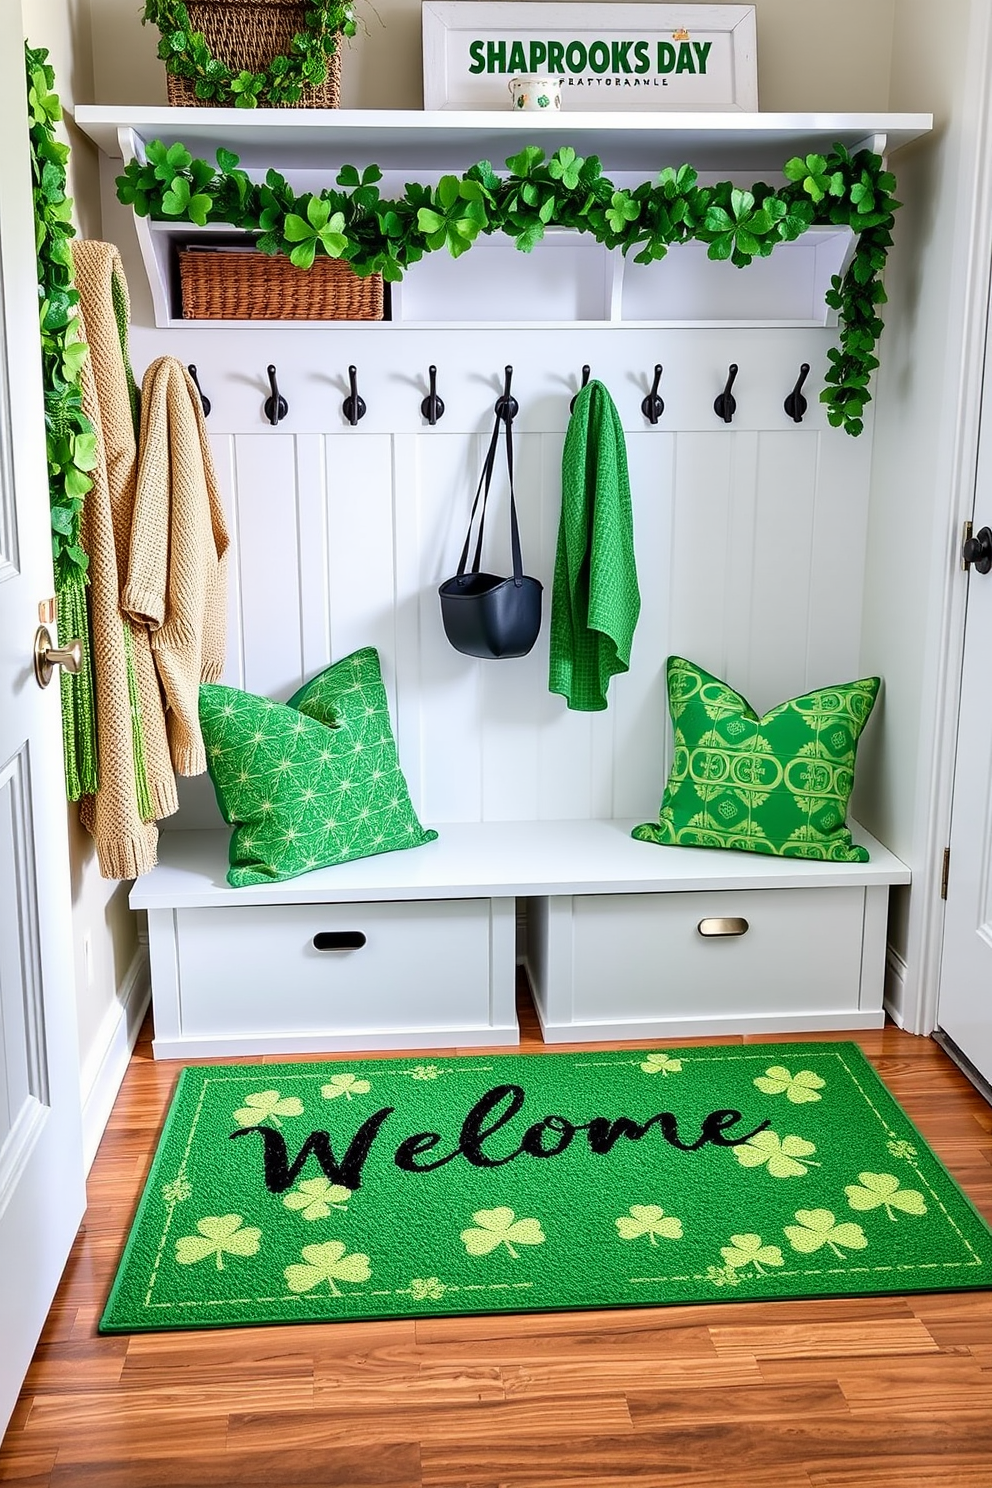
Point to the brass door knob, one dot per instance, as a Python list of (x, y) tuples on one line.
[(47, 657)]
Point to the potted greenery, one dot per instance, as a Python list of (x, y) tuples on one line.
[(252, 53)]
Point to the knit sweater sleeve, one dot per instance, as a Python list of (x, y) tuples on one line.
[(143, 597)]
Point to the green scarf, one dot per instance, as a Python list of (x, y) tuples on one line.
[(595, 601)]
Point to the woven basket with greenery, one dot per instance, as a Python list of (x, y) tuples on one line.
[(247, 285), (252, 53)]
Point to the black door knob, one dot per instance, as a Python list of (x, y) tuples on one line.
[(977, 550)]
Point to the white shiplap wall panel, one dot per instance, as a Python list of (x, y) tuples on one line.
[(360, 575), (775, 666), (749, 542), (700, 554), (641, 720), (447, 688), (268, 552), (836, 578)]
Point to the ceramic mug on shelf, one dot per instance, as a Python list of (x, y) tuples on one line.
[(535, 94)]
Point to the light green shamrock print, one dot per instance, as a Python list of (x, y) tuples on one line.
[(800, 1087), (220, 1235), (267, 1105), (875, 1190), (346, 1085), (427, 1288), (328, 1262), (650, 1220), (722, 1276), (818, 1227), (747, 1250), (781, 1155), (901, 1148), (314, 1198), (179, 1189), (501, 1227), (661, 1064), (425, 1072)]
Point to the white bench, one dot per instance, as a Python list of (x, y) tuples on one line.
[(418, 949)]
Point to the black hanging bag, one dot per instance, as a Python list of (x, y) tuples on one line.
[(484, 615)]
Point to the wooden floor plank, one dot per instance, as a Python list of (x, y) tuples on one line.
[(867, 1392)]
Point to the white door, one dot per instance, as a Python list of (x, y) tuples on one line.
[(41, 1165), (964, 1009)]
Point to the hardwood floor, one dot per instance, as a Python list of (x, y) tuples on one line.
[(886, 1392)]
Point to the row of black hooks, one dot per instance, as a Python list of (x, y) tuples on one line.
[(354, 407)]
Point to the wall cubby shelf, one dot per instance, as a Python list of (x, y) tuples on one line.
[(569, 278)]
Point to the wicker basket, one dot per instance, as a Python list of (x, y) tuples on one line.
[(243, 284), (247, 34)]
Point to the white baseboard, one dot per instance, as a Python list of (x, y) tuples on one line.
[(894, 997), (103, 1072)]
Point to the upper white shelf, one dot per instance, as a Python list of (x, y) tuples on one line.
[(414, 139)]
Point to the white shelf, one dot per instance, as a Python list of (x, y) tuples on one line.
[(494, 859), (589, 285), (442, 140)]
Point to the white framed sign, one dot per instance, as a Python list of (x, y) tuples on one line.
[(617, 57)]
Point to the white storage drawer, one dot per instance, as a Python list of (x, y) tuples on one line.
[(324, 976), (630, 965)]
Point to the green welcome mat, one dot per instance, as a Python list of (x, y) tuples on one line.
[(390, 1188)]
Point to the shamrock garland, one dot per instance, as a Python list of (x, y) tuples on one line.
[(70, 437), (381, 236), (71, 440), (186, 54)]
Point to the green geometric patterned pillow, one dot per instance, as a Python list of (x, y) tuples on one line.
[(302, 795), (778, 784)]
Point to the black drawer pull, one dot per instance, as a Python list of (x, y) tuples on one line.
[(724, 925), (338, 940)]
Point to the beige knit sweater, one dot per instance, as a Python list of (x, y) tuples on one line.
[(125, 842), (177, 561)]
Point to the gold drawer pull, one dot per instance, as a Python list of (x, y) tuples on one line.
[(338, 940), (724, 925)]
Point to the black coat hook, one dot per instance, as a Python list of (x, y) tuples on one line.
[(353, 406), (432, 407), (725, 404), (652, 406), (506, 407), (585, 379), (275, 406), (795, 404), (205, 402)]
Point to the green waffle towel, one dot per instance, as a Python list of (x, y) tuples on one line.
[(595, 601)]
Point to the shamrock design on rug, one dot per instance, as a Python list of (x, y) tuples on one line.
[(329, 1262), (220, 1235), (819, 1227), (267, 1105), (799, 1088), (782, 1157), (500, 1226), (882, 1190), (427, 1289), (748, 1250), (314, 1198), (661, 1064), (650, 1220), (346, 1085)]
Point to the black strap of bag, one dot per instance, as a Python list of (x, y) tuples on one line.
[(482, 491)]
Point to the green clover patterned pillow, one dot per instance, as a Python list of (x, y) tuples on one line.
[(778, 784), (300, 794)]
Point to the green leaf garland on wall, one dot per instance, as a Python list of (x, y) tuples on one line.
[(70, 438), (377, 235)]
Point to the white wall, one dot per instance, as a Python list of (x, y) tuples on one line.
[(920, 477), (812, 55)]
